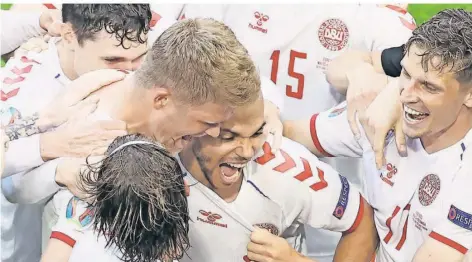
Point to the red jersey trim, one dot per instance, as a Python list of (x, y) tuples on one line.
[(314, 137), (448, 242), (63, 237), (360, 214)]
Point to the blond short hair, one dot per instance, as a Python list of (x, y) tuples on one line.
[(201, 60)]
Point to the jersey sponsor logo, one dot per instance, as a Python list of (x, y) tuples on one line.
[(333, 34), (337, 111), (429, 189), (9, 115), (387, 173), (460, 218), (269, 227), (80, 220), (211, 218), (343, 199), (260, 20)]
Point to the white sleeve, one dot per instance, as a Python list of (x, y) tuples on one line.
[(32, 186), (17, 28), (332, 135), (75, 216), (163, 17), (310, 191), (385, 26), (455, 227), (271, 92), (22, 154)]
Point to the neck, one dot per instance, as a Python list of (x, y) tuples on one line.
[(66, 60), (458, 130), (190, 162)]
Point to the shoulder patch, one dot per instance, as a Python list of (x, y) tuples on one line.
[(78, 213), (460, 218), (343, 198)]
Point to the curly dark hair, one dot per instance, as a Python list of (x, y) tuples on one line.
[(139, 201), (447, 36), (125, 21)]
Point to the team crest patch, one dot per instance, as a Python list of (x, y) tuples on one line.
[(460, 218), (76, 216), (333, 34), (337, 111), (429, 189), (269, 227), (343, 199)]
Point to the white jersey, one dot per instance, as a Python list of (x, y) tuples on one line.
[(408, 193), (279, 192), (293, 44), (26, 79)]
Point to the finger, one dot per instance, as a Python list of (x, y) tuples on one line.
[(256, 248), (400, 140), (91, 82), (55, 28), (108, 135), (260, 236), (187, 188), (84, 108), (378, 146), (37, 49), (254, 257), (351, 118), (276, 140), (111, 124)]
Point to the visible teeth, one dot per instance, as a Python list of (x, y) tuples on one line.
[(413, 112), (236, 165)]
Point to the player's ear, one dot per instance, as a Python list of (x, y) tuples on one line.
[(68, 35), (468, 96), (161, 97)]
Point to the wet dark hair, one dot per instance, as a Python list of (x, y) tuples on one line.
[(139, 201), (125, 21), (447, 36)]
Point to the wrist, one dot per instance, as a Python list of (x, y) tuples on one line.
[(59, 178)]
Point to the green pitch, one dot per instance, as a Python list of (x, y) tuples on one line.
[(421, 12)]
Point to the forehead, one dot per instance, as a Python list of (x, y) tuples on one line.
[(412, 62), (210, 113), (108, 45), (251, 116)]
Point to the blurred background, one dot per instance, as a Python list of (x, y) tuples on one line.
[(421, 12)]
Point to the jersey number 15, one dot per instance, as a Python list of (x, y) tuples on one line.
[(289, 90)]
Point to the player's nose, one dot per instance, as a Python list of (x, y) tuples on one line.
[(246, 149)]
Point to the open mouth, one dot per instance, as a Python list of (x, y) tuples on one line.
[(230, 172), (414, 116)]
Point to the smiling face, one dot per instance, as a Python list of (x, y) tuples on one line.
[(222, 159), (432, 100)]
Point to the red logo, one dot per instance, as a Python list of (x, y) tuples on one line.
[(260, 20), (429, 189), (333, 34), (387, 174), (211, 218)]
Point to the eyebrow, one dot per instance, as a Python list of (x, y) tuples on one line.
[(121, 58), (424, 81), (237, 134)]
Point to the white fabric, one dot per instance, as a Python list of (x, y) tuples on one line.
[(294, 34), (33, 85), (17, 27), (267, 197), (411, 190)]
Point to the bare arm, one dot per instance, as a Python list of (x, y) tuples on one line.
[(299, 131), (56, 251), (360, 244), (339, 68)]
